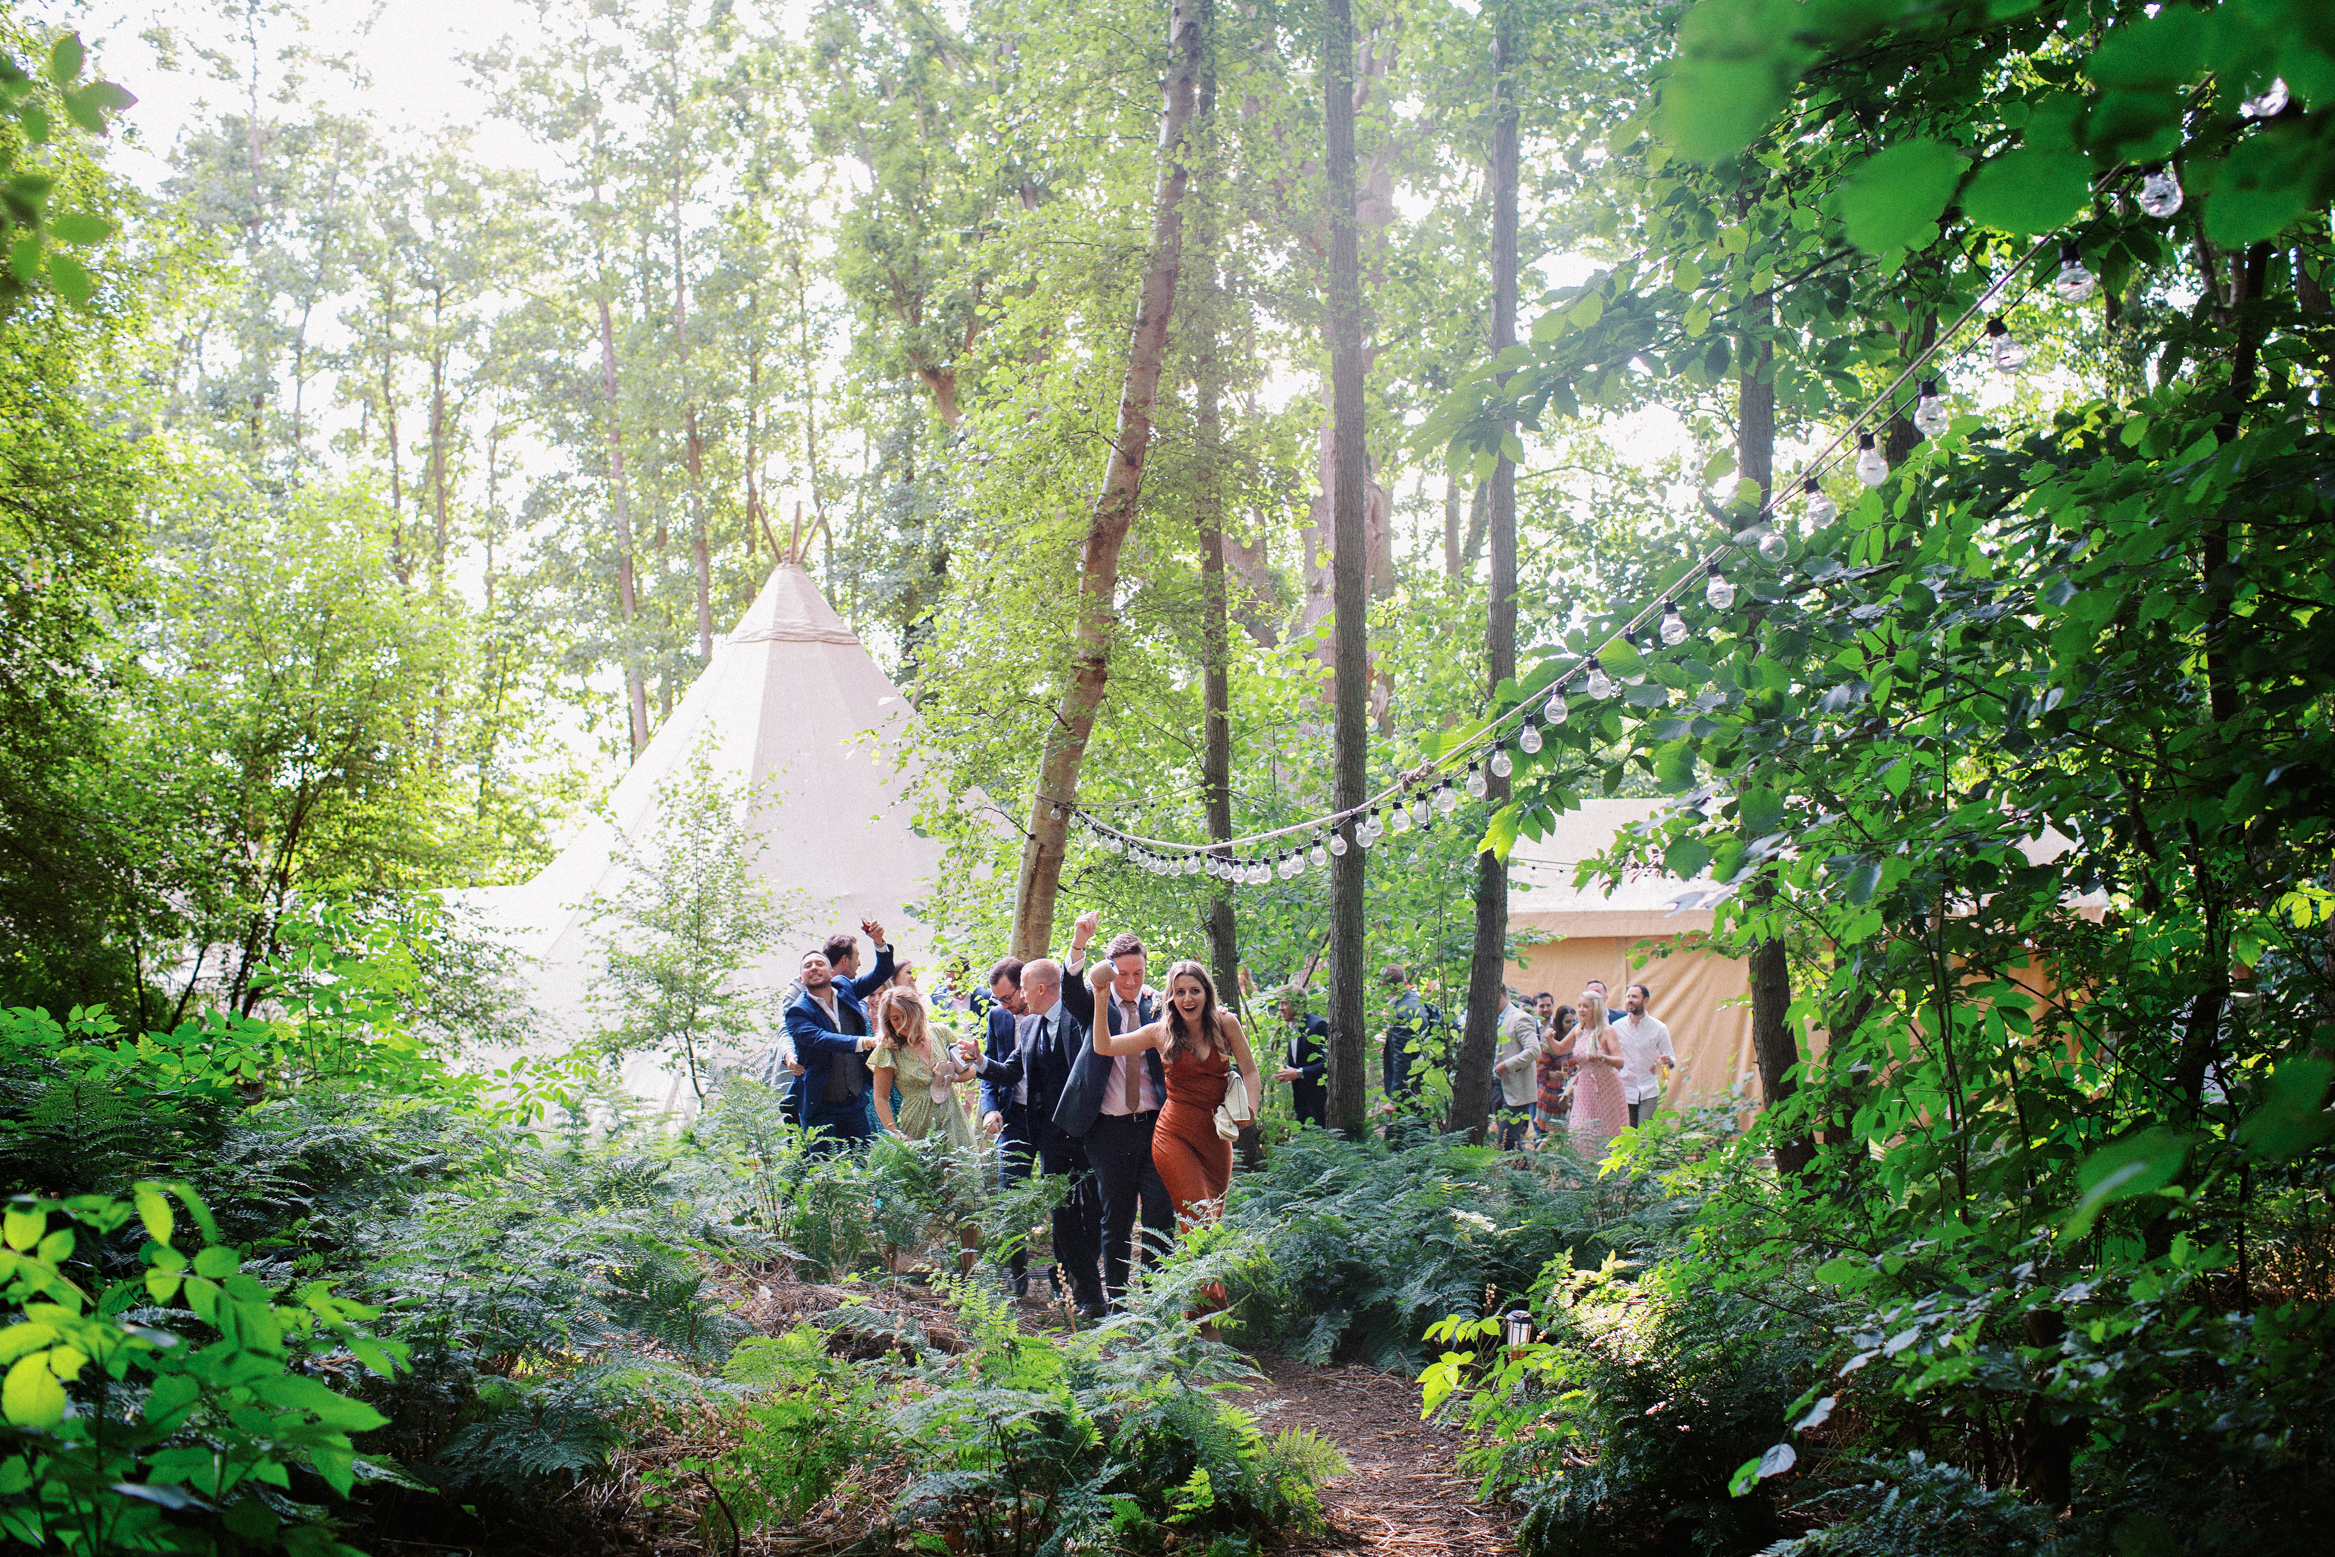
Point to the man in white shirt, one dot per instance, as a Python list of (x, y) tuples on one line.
[(1512, 1067), (1127, 1091), (1646, 1053)]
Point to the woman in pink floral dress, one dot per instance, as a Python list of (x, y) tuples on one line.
[(1599, 1111)]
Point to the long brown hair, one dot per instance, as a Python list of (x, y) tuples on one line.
[(1179, 1041)]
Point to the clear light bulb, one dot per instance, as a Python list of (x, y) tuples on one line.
[(1291, 864), (1446, 798), (1556, 711), (1772, 545), (1930, 417), (2074, 284), (1477, 785), (1597, 683), (1401, 820), (1338, 845), (1319, 855), (2270, 104), (1422, 810), (1528, 738), (1872, 469), (1718, 591), (2009, 356), (1370, 831), (1673, 625), (1818, 509), (1502, 763), (1191, 864), (2160, 193)]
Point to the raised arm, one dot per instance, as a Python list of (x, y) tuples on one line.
[(1147, 1037), (1078, 997)]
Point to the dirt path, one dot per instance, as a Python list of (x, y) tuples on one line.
[(1404, 1493)]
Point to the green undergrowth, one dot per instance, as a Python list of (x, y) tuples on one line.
[(482, 1315), (1754, 1384)]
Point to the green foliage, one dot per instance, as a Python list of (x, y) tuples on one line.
[(44, 105), (1912, 1506), (694, 916), (1365, 1247), (135, 1425), (1028, 1446), (1626, 1418)]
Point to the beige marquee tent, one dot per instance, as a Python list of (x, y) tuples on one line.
[(1633, 936), (791, 704)]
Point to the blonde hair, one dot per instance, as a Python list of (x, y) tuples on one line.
[(1592, 1015), (905, 1001)]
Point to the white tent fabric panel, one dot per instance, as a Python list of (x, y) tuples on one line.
[(792, 704)]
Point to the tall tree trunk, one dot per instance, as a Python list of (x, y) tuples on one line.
[(1487, 981), (1122, 491), (753, 420), (636, 690), (1208, 511), (1773, 1043), (438, 438), (1451, 490), (693, 447), (1349, 567)]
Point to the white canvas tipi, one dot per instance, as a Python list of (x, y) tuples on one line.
[(792, 704)]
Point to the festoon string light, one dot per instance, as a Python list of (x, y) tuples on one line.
[(1424, 794)]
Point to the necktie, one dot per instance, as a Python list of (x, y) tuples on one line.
[(1134, 1091)]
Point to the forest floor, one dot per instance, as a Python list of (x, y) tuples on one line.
[(1403, 1493)]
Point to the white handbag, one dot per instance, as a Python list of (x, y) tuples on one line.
[(1234, 1111)]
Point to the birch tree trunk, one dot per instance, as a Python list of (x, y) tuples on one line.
[(1471, 1072), (1349, 567), (1122, 491)]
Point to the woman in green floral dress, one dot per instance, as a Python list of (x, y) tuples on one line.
[(927, 1064)]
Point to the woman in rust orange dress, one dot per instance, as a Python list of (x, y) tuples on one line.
[(1197, 1043)]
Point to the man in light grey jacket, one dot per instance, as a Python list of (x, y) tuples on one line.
[(1512, 1068)]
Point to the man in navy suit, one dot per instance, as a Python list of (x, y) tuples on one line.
[(829, 1029), (1308, 1058), (1113, 1103), (1005, 1105), (1048, 1043)]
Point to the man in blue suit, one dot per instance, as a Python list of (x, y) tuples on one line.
[(1113, 1104), (1048, 1043), (829, 1029), (1005, 1105)]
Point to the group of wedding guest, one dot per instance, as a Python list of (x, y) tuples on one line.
[(1593, 1072), (1087, 1073)]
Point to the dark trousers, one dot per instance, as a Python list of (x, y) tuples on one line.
[(1648, 1106), (1119, 1146), (1312, 1100), (1016, 1161), (1513, 1122), (845, 1123), (1078, 1221)]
